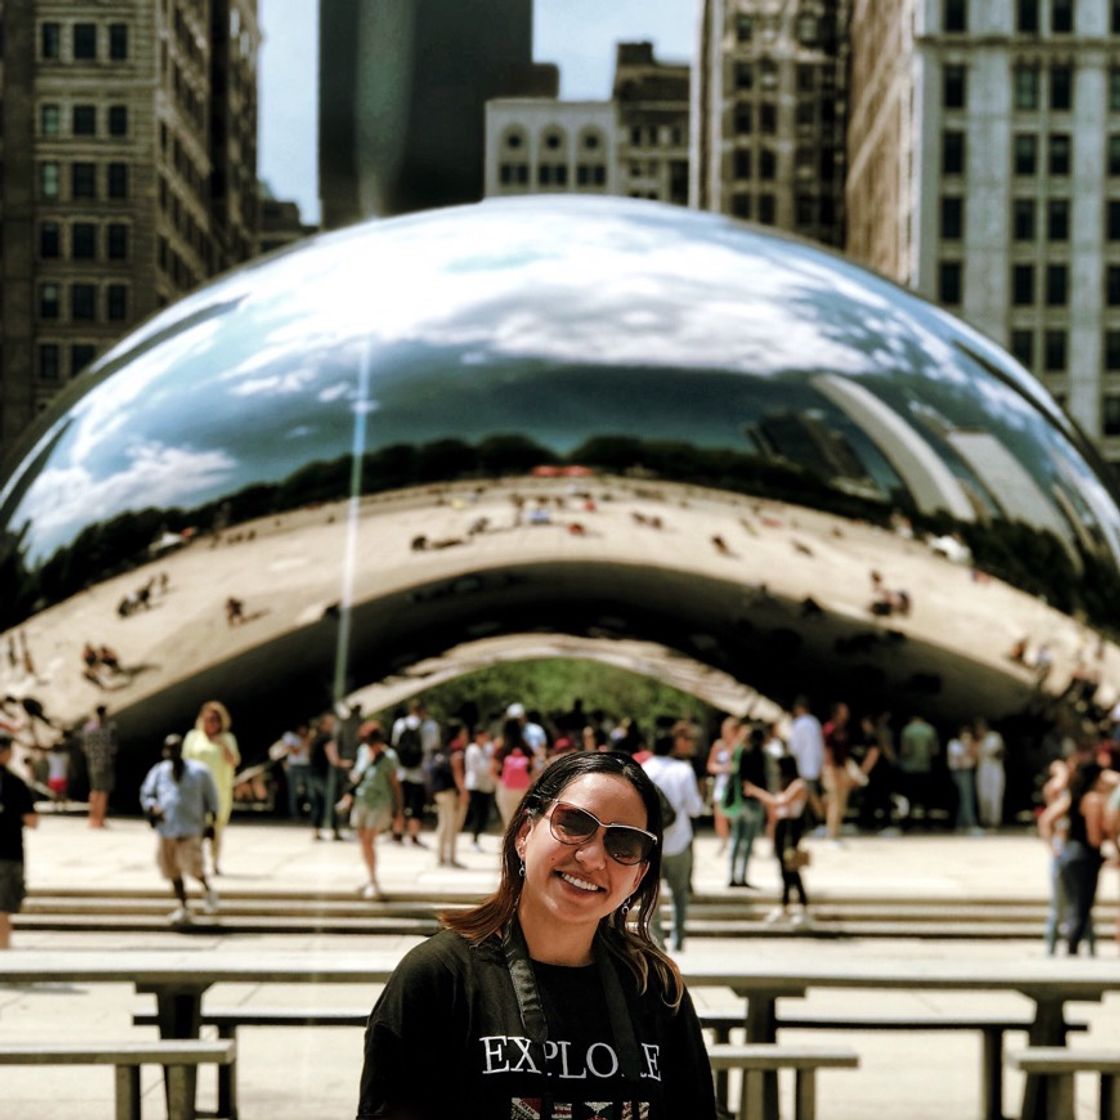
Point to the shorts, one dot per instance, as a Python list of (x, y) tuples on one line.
[(101, 779), (378, 817), (12, 888), (414, 796), (177, 856), (58, 785)]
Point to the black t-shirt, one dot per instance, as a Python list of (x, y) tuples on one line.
[(317, 757), (446, 1040), (752, 768), (15, 803)]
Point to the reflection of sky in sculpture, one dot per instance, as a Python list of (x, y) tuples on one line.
[(558, 319)]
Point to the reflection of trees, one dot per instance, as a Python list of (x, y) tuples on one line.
[(1025, 557)]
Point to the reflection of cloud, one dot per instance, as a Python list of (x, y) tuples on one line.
[(335, 392), (299, 431), (292, 381), (64, 500)]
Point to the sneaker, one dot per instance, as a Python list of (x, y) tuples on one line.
[(210, 901), (778, 914), (416, 842), (372, 891), (180, 916), (800, 918)]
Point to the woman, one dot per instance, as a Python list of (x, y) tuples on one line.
[(719, 767), (212, 743), (549, 999), (513, 769), (788, 809), (479, 780), (1079, 863), (375, 800), (744, 802), (990, 777)]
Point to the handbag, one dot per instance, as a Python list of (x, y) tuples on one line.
[(794, 859)]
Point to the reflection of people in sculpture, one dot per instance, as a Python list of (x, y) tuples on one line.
[(235, 611), (211, 742)]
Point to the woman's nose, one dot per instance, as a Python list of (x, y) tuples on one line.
[(591, 853)]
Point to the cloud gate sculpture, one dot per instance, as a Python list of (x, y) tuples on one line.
[(598, 418)]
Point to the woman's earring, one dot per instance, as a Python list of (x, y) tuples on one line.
[(521, 870), (625, 909)]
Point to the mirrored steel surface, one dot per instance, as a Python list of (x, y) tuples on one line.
[(592, 417)]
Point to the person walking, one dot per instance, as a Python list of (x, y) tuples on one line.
[(448, 785), (318, 774), (962, 755), (513, 764), (409, 737), (670, 769), (835, 778), (375, 801), (787, 808), (17, 812), (212, 743), (99, 745), (806, 746), (1079, 863), (179, 796), (744, 803), (991, 779), (719, 768), (917, 747), (479, 779)]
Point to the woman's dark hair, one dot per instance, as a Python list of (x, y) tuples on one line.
[(787, 770), (1081, 781), (512, 739), (627, 937)]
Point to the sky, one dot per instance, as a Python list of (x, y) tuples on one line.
[(578, 35)]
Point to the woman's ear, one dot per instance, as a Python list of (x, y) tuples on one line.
[(522, 837)]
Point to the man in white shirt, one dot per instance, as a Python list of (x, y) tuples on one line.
[(806, 745), (670, 771), (532, 733)]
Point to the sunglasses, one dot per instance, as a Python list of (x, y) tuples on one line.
[(624, 843)]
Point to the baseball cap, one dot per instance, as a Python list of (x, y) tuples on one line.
[(515, 711)]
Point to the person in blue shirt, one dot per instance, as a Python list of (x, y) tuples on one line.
[(180, 800)]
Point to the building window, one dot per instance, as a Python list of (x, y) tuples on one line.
[(116, 302), (744, 27), (50, 120), (744, 120), (741, 204), (50, 239), (806, 78), (768, 118), (50, 40), (1026, 153), (1057, 284), (742, 164), (954, 92), (767, 164), (1114, 154), (766, 209), (1022, 285), (118, 180), (48, 301), (1061, 16), (956, 15), (83, 120), (85, 41), (1059, 153), (1112, 219), (1115, 22), (116, 241), (952, 152), (1026, 83), (118, 41), (1057, 219), (1022, 219), (1112, 351), (807, 29), (1110, 414), (118, 120), (81, 354), (83, 241), (48, 179), (949, 285), (1054, 351), (744, 75), (83, 302), (804, 210), (48, 361), (1061, 87), (952, 218), (1027, 15), (1022, 346), (83, 180), (1112, 285)]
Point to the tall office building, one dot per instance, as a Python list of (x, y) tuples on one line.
[(128, 148), (769, 107), (985, 172), (403, 86)]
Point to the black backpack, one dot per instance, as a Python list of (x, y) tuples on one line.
[(408, 748), (668, 813)]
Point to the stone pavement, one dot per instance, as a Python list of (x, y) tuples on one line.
[(306, 1074)]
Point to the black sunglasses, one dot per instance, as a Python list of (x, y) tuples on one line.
[(624, 843)]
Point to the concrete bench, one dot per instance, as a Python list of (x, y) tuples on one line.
[(1056, 1066), (228, 1019), (759, 1058), (991, 1028), (177, 1057)]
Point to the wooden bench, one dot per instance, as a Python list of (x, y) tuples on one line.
[(176, 1056), (1056, 1066), (991, 1028), (228, 1019), (759, 1058)]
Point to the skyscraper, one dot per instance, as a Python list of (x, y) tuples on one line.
[(403, 86)]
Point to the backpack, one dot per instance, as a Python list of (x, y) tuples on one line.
[(668, 813), (409, 751), (439, 776)]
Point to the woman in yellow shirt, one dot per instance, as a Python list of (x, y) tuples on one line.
[(212, 743)]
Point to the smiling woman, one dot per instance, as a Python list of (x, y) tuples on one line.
[(549, 999)]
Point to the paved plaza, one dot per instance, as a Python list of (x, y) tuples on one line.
[(312, 1074)]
